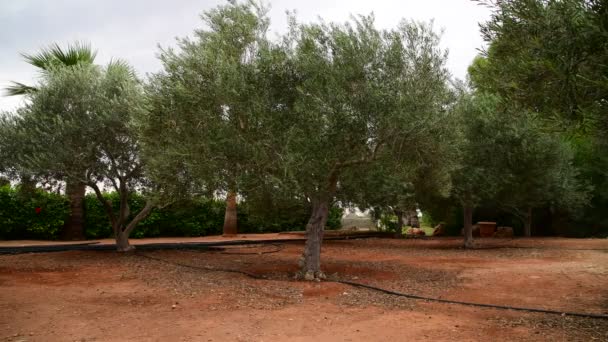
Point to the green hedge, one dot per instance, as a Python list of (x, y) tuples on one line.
[(19, 218), (188, 218), (31, 215)]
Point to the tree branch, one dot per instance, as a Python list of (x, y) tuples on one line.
[(139, 217), (514, 211), (106, 204), (366, 159), (114, 184)]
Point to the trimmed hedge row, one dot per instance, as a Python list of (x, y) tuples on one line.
[(41, 215), (31, 215)]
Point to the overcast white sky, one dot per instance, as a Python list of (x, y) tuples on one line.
[(132, 29)]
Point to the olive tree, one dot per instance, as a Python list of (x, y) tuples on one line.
[(300, 113), (399, 189), (49, 58), (357, 93), (78, 124), (379, 187), (508, 160), (477, 179), (538, 170), (205, 103), (549, 57)]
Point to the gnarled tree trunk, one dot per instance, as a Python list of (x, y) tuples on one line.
[(74, 226), (311, 259), (310, 262), (122, 230), (122, 241), (468, 226), (528, 223), (122, 234), (230, 220)]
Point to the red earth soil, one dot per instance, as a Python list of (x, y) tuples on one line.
[(189, 296)]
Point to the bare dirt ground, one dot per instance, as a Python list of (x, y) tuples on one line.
[(107, 296)]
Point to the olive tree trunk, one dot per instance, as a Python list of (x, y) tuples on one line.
[(74, 226), (122, 232), (311, 259), (413, 218), (528, 223), (468, 226), (400, 223), (120, 224), (122, 241), (230, 219)]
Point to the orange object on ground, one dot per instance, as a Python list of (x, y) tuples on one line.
[(486, 229)]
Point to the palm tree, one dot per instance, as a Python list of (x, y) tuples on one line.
[(56, 57), (53, 56)]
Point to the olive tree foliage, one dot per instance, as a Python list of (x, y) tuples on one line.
[(508, 160), (78, 124), (537, 170), (205, 105), (477, 178), (47, 59), (383, 189), (549, 57), (390, 188), (357, 94), (14, 146), (8, 147), (297, 115)]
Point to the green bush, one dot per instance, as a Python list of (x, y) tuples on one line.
[(388, 222), (196, 217), (31, 215), (19, 218), (334, 221), (96, 222), (280, 215)]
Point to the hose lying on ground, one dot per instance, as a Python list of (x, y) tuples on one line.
[(277, 248), (95, 246), (395, 293), (493, 306), (211, 269)]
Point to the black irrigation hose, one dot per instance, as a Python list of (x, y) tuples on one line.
[(277, 248), (395, 293), (87, 246), (505, 245), (211, 269), (95, 246), (552, 248), (493, 306), (155, 246)]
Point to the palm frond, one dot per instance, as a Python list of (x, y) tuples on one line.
[(51, 56), (76, 53), (17, 88)]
